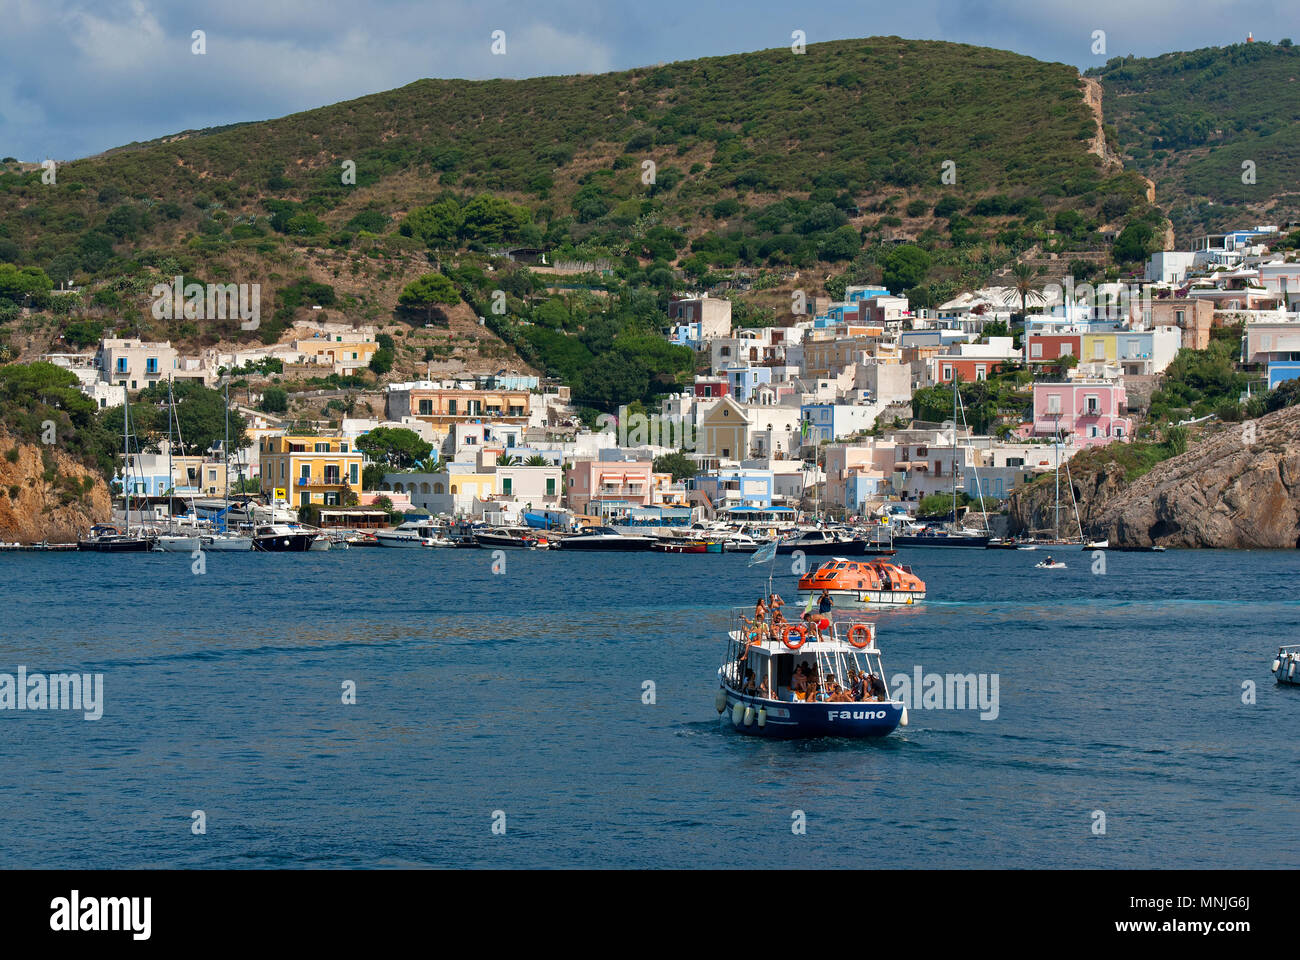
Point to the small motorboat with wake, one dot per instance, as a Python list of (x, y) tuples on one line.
[(1049, 564), (790, 687), (863, 583)]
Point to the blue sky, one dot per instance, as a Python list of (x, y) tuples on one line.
[(80, 76)]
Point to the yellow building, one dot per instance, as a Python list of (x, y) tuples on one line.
[(724, 431), (310, 469), (345, 356), (1099, 346)]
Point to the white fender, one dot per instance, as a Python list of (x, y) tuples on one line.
[(720, 701), (762, 716), (749, 716), (1276, 665), (902, 721), (737, 713)]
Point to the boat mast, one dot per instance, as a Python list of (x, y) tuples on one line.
[(126, 458), (954, 446), (225, 455), (1056, 515)]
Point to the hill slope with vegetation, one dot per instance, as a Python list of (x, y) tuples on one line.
[(829, 163), (1189, 121)]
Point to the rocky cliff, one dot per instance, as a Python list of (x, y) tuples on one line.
[(45, 494), (1237, 488)]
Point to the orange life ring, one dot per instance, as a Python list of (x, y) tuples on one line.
[(795, 628), (865, 630)]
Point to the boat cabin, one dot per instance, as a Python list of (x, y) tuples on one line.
[(830, 661)]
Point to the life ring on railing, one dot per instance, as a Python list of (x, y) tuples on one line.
[(865, 633), (792, 630)]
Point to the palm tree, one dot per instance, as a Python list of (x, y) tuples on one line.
[(1024, 275), (506, 460), (536, 460)]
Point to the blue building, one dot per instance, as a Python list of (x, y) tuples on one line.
[(1280, 371)]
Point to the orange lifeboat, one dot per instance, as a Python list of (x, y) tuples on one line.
[(863, 583)]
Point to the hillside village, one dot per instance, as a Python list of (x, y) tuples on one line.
[(855, 408)]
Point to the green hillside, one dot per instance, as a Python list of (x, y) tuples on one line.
[(828, 163), (1190, 120)]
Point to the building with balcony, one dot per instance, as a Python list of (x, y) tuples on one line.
[(304, 470), (443, 404), (593, 486), (1091, 412)]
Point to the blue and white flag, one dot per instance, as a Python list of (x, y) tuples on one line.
[(763, 554)]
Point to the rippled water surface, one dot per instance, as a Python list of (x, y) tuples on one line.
[(522, 693)]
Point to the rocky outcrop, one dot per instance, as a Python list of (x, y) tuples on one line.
[(46, 494), (1239, 488)]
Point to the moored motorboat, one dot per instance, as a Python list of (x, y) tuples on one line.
[(226, 543), (679, 545), (790, 687), (863, 583), (606, 538), (410, 534), (512, 538), (282, 538)]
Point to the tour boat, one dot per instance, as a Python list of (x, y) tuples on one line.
[(863, 583), (1286, 665), (606, 538), (777, 709)]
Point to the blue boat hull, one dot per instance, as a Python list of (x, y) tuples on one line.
[(789, 721)]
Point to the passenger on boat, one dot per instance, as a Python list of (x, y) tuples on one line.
[(760, 619), (812, 626), (857, 685), (775, 603), (875, 687), (749, 686), (825, 603), (763, 690), (799, 682)]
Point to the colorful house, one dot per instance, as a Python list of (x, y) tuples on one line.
[(306, 470), (1093, 412)]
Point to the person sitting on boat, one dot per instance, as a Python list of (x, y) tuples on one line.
[(799, 682), (825, 603), (749, 686), (1049, 561), (858, 685), (763, 691), (875, 688)]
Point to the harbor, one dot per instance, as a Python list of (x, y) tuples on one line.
[(239, 671)]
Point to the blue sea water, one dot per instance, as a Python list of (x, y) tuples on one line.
[(523, 693)]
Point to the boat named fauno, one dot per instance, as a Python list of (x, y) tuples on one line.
[(824, 682)]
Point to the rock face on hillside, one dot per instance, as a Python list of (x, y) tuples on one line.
[(1237, 489), (34, 508)]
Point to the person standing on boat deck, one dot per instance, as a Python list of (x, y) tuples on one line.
[(825, 603), (760, 619), (776, 603)]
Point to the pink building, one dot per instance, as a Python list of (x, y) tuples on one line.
[(614, 482), (1093, 411)]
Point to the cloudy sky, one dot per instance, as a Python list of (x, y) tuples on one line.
[(79, 76)]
